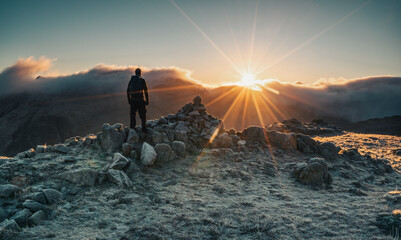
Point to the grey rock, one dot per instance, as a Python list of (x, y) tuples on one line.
[(111, 139), (181, 136), (315, 173), (52, 195), (36, 218), (188, 108), (8, 229), (133, 137), (197, 101), (241, 143), (61, 148), (181, 128), (159, 137), (134, 155), (40, 148), (328, 150), (126, 147), (254, 134), (82, 177), (164, 152), (3, 214), (38, 197), (21, 217), (179, 148), (148, 155), (286, 141), (306, 144), (119, 162), (132, 168), (194, 114), (119, 178), (8, 190), (222, 141), (33, 206)]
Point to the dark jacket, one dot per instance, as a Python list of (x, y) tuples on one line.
[(136, 90)]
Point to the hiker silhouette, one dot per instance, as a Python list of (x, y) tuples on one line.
[(138, 98)]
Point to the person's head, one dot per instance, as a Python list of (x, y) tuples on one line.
[(138, 72)]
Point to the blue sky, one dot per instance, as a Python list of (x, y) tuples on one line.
[(300, 40)]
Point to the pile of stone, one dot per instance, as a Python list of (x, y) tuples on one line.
[(36, 207), (314, 128)]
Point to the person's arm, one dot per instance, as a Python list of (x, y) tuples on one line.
[(128, 93), (146, 91)]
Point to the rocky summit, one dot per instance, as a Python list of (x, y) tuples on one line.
[(190, 178)]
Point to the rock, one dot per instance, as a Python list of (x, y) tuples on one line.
[(61, 148), (306, 144), (41, 148), (133, 137), (181, 136), (119, 178), (286, 141), (164, 152), (315, 173), (119, 162), (111, 138), (3, 214), (8, 190), (132, 168), (222, 141), (148, 155), (126, 147), (159, 137), (38, 197), (52, 196), (21, 217), (30, 153), (390, 223), (328, 150), (8, 229), (33, 206), (36, 218), (255, 134), (179, 148), (197, 101), (194, 114), (188, 108), (82, 177), (134, 155), (241, 143), (397, 152), (182, 128)]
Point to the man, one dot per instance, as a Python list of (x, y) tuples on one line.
[(136, 90)]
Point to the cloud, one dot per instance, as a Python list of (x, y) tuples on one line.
[(24, 76), (354, 100)]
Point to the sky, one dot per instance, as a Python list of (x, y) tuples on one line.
[(290, 41)]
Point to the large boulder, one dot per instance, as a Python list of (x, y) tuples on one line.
[(314, 173), (38, 197), (61, 148), (3, 214), (286, 141), (52, 196), (164, 152), (159, 137), (36, 218), (21, 217), (119, 178), (82, 177), (179, 148), (133, 137), (255, 134), (8, 229), (328, 150), (306, 144), (222, 141), (8, 190), (112, 137), (148, 155), (33, 206), (119, 162)]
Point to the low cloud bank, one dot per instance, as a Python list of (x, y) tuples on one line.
[(24, 76), (354, 100)]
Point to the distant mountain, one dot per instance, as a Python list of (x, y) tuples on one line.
[(386, 125)]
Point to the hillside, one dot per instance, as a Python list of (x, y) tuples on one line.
[(190, 178)]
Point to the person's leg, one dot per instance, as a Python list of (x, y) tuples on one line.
[(134, 108), (142, 115)]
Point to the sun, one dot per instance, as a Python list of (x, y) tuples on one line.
[(248, 79)]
